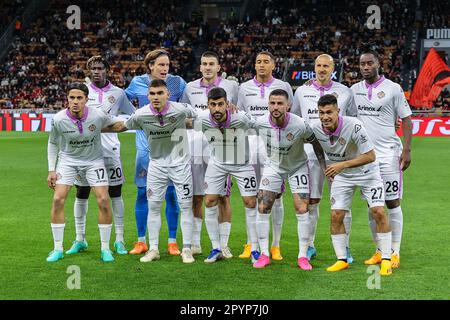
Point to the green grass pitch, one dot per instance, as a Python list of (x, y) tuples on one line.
[(26, 239)]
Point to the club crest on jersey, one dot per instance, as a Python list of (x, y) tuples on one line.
[(341, 141), (172, 119), (335, 94), (381, 94), (290, 136), (92, 127), (363, 138), (111, 99), (149, 192), (265, 182), (58, 176), (205, 185)]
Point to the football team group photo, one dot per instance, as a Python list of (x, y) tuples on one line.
[(224, 150)]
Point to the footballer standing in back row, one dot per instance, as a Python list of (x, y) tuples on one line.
[(380, 102), (305, 106), (196, 94), (112, 100), (254, 99)]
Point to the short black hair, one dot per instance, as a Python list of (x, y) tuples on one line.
[(210, 54), (267, 53), (326, 100), (157, 83), (217, 93), (279, 92), (372, 52), (78, 86)]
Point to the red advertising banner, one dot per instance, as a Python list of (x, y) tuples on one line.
[(425, 127), (429, 127), (30, 121), (25, 122)]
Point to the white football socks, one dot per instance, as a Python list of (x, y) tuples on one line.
[(197, 230), (118, 209), (154, 224), (250, 213), (105, 235), (303, 232), (339, 244), (313, 217), (212, 225), (396, 223), (58, 235), (277, 221), (80, 208), (224, 232), (384, 243), (262, 229), (186, 223)]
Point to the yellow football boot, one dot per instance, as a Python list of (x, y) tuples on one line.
[(395, 261), (375, 259), (276, 253), (247, 251), (338, 266), (386, 268)]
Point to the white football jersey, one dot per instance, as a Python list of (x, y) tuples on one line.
[(253, 96), (78, 141), (379, 105), (165, 132), (284, 145), (228, 141), (348, 141), (307, 96), (113, 101), (196, 93)]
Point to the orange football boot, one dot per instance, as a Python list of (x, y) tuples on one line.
[(139, 247), (173, 249)]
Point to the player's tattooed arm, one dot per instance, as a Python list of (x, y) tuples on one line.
[(319, 154), (266, 200)]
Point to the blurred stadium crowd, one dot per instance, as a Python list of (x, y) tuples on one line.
[(47, 56)]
